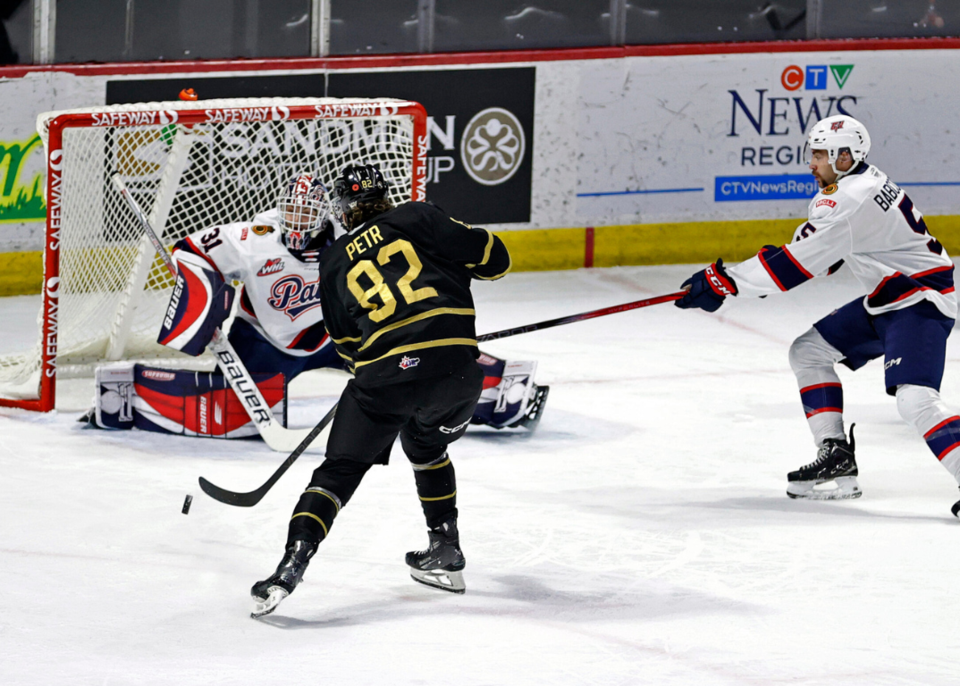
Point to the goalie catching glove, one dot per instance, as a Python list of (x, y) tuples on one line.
[(708, 288), (200, 302)]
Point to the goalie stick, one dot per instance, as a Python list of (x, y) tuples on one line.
[(274, 435), (253, 497)]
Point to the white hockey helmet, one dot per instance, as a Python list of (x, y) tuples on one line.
[(303, 208), (836, 134)]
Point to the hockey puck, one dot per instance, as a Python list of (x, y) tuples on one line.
[(186, 504)]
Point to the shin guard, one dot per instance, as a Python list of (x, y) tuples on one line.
[(812, 360), (922, 408), (333, 484), (437, 489)]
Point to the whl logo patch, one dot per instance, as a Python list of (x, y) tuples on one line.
[(408, 362), (271, 266)]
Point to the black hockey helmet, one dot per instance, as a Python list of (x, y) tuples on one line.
[(357, 186)]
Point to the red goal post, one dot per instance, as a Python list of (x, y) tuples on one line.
[(191, 165)]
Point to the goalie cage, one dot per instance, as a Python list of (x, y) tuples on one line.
[(190, 165)]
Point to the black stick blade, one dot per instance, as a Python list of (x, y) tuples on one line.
[(253, 497), (231, 498)]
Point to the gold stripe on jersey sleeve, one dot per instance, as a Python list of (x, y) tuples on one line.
[(466, 311), (341, 341), (486, 252), (422, 346), (502, 274)]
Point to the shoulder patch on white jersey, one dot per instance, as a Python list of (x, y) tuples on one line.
[(261, 229), (829, 190)]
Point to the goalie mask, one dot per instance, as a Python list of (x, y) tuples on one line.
[(303, 207), (836, 134), (359, 188)]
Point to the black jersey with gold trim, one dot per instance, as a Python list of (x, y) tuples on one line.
[(396, 292)]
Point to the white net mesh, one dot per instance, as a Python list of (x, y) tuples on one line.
[(113, 287)]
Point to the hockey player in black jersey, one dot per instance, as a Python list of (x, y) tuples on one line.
[(396, 302)]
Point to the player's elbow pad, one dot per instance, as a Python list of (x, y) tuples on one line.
[(497, 264), (201, 300)]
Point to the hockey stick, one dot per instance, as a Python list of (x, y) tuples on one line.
[(559, 321), (253, 497), (274, 435)]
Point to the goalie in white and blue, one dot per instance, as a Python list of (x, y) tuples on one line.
[(278, 325)]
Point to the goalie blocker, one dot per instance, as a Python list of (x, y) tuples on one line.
[(185, 403)]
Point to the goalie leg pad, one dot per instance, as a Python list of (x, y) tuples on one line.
[(179, 402), (515, 401), (114, 403), (199, 403)]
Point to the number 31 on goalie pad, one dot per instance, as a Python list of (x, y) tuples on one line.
[(180, 402)]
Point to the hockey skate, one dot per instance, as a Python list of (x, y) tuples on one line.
[(268, 594), (956, 509), (441, 564), (835, 468)]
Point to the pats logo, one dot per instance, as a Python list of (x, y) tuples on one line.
[(836, 126), (407, 362), (814, 77), (271, 266), (293, 296)]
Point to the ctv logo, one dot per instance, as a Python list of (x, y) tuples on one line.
[(815, 78)]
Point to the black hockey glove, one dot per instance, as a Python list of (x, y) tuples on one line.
[(708, 288)]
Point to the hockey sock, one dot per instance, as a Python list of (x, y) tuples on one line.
[(333, 484), (821, 394), (921, 407), (437, 488)]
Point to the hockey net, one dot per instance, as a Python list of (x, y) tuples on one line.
[(189, 165)]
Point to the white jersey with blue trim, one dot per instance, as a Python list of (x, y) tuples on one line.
[(280, 295), (866, 221)]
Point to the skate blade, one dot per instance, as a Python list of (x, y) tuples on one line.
[(438, 578), (841, 488), (262, 608)]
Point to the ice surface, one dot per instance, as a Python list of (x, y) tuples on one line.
[(642, 536)]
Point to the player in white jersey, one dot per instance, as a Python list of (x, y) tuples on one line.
[(279, 323), (860, 218)]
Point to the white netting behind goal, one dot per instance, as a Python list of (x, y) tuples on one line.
[(113, 289)]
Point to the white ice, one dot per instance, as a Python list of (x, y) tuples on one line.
[(641, 536)]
